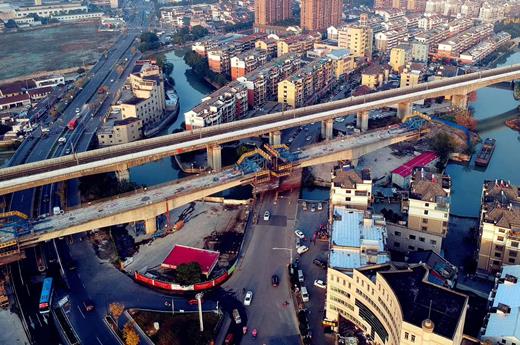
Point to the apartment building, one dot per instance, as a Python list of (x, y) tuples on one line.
[(318, 15), (344, 62), (419, 51), (351, 188), (357, 39), (480, 51), (499, 226), (399, 56), (307, 84), (146, 99), (203, 47), (227, 104), (50, 10), (412, 74), (298, 44), (375, 75), (395, 306), (462, 41), (386, 40), (502, 322), (268, 12), (247, 62), (269, 45), (430, 22), (118, 132)]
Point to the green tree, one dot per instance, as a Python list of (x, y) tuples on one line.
[(188, 274), (443, 145), (198, 31)]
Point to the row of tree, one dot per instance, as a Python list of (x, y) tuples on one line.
[(200, 67)]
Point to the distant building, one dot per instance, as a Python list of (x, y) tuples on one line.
[(374, 75), (297, 44), (344, 62), (412, 74), (499, 226), (402, 176), (247, 62), (357, 39), (351, 188), (419, 51), (114, 3), (268, 12), (318, 15), (398, 58), (116, 132), (502, 323), (51, 10)]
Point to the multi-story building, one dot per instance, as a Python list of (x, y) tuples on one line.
[(268, 12), (386, 40), (227, 104), (146, 101), (118, 132), (478, 52), (374, 75), (298, 44), (420, 51), (269, 45), (395, 306), (351, 188), (499, 226), (357, 39), (307, 84), (246, 62), (318, 15), (464, 40), (344, 62), (50, 10), (412, 74), (502, 322), (399, 56), (202, 47), (428, 23)]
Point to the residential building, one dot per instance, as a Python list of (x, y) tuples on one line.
[(268, 12), (502, 322), (50, 10), (442, 272), (146, 98), (116, 132), (351, 188), (227, 104), (269, 45), (412, 74), (298, 44), (79, 16), (395, 306), (247, 62), (344, 62), (462, 41), (420, 51), (357, 39), (398, 58), (386, 40), (202, 47), (480, 51), (318, 15), (374, 75), (499, 226)]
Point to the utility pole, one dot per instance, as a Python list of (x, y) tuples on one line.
[(199, 300)]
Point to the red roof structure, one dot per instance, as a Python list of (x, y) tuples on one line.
[(207, 259), (420, 161)]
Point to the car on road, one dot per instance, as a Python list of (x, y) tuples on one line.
[(275, 281), (308, 138), (313, 208), (236, 317), (340, 119), (62, 140), (319, 263), (67, 151), (319, 283), (320, 206), (88, 305), (299, 234), (77, 110), (111, 80), (267, 215), (248, 298), (302, 249), (229, 339), (291, 140), (304, 205)]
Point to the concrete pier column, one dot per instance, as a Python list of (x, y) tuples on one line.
[(150, 225), (362, 120), (404, 109), (327, 127), (123, 175), (275, 138), (460, 101), (215, 157)]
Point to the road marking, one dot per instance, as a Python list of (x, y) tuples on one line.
[(31, 322), (39, 321), (28, 291), (99, 341), (81, 312)]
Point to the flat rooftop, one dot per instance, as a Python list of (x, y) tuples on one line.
[(420, 299), (179, 255), (423, 159)]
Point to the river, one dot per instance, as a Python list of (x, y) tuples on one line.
[(467, 182)]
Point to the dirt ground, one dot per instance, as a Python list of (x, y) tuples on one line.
[(48, 49)]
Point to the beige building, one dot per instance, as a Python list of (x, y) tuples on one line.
[(397, 59), (357, 39), (146, 101), (395, 306), (120, 132), (269, 12), (318, 15), (499, 226), (411, 75), (351, 188), (374, 75)]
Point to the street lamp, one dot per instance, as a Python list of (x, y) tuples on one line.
[(290, 253), (199, 302)]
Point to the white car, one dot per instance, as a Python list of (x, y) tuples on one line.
[(319, 283), (267, 215), (299, 234), (248, 298), (302, 249), (320, 206)]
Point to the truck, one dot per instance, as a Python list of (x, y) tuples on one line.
[(72, 124)]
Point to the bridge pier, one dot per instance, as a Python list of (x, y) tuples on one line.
[(327, 128), (275, 138), (123, 175), (215, 157), (460, 101), (150, 226), (362, 120), (404, 109)]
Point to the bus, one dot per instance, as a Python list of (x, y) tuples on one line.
[(46, 296)]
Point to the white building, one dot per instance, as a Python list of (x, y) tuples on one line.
[(351, 188), (50, 10)]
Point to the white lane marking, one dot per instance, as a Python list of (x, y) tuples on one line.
[(80, 311), (39, 321), (99, 341)]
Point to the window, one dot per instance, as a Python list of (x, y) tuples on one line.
[(412, 237), (422, 239), (406, 335), (411, 247), (397, 244), (433, 242), (512, 253), (514, 244), (413, 338), (500, 238), (444, 224), (498, 255), (427, 204), (347, 198), (425, 221), (425, 211), (397, 233), (511, 260), (502, 231), (424, 228)]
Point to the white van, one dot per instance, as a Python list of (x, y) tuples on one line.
[(302, 249), (300, 276), (305, 294)]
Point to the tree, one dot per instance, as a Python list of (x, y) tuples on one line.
[(466, 121), (443, 146), (116, 310), (198, 31), (188, 274), (130, 335)]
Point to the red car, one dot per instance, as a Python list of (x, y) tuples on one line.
[(229, 339)]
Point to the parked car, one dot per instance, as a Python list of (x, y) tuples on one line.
[(319, 263), (267, 215), (229, 339), (88, 304), (313, 208), (275, 280), (304, 205), (320, 206), (236, 317), (299, 234), (302, 249), (319, 283), (248, 298)]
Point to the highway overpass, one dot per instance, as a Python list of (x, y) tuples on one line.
[(120, 158), (146, 204)]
